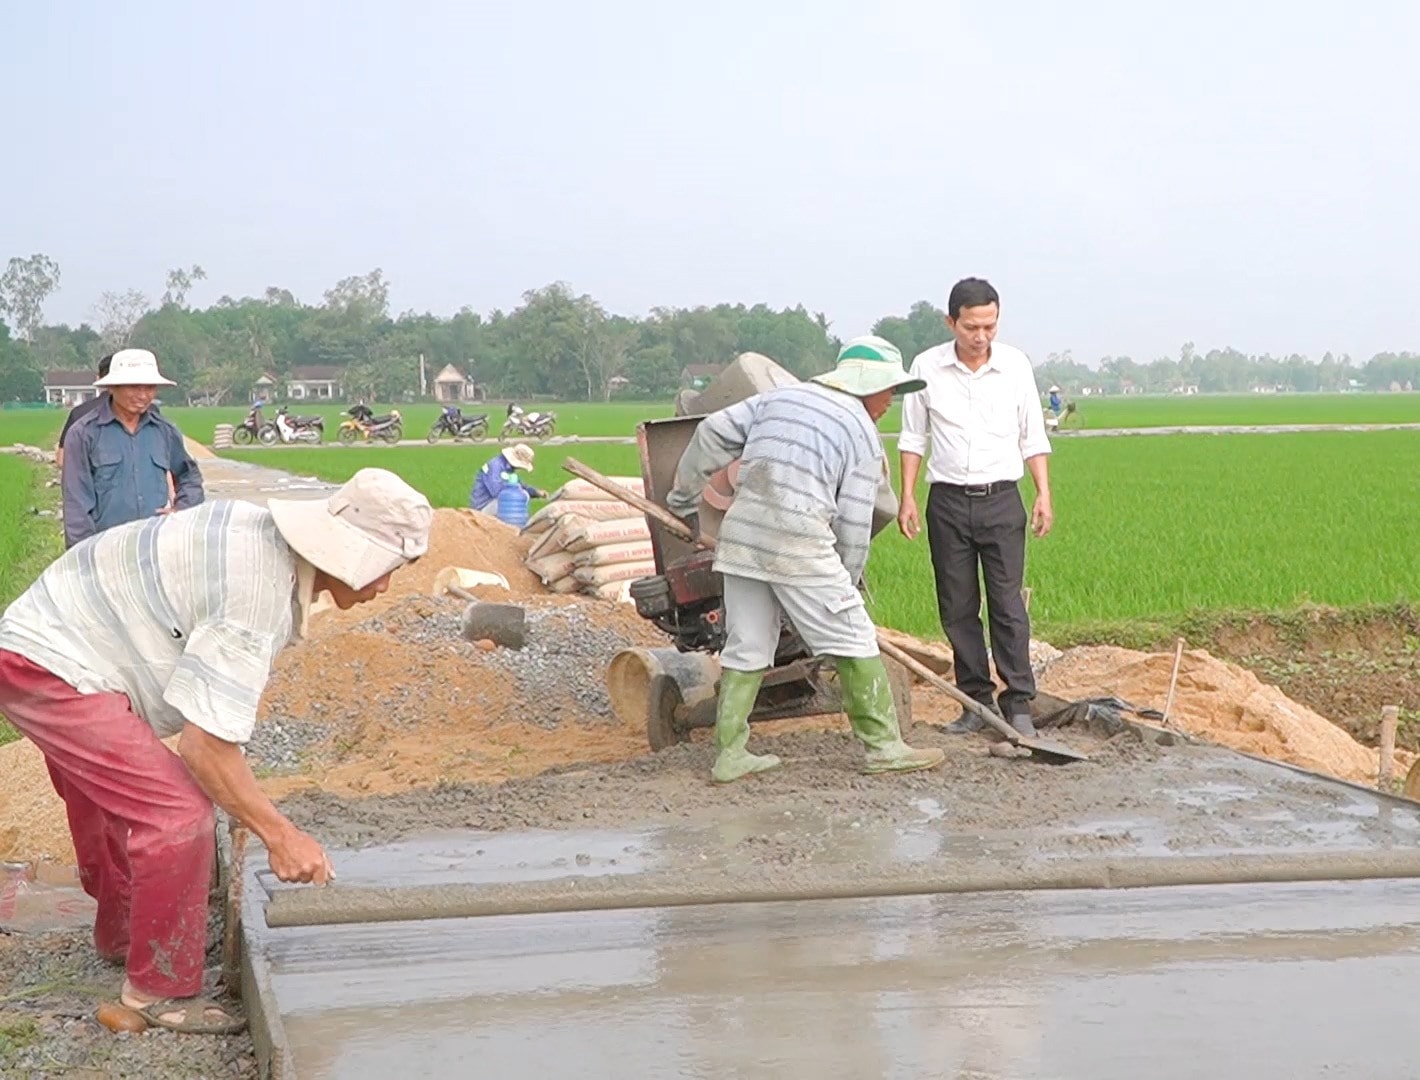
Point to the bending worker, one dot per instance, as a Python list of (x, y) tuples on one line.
[(795, 541), (169, 626), (492, 478)]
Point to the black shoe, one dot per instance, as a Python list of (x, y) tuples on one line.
[(970, 723), (1024, 725)]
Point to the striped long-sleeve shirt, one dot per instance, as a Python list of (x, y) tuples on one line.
[(811, 462), (183, 613)]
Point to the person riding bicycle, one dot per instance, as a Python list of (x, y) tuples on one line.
[(496, 474)]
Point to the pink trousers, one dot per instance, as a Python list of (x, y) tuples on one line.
[(143, 829)]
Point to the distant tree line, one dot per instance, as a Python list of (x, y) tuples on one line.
[(556, 344)]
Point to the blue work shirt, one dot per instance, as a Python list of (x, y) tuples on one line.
[(1054, 402), (112, 477), (488, 482)]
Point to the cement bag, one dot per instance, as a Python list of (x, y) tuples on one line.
[(581, 535), (581, 490), (554, 540), (591, 510), (551, 567), (619, 591), (605, 575), (611, 554), (542, 546), (565, 585)]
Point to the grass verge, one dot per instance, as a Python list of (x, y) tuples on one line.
[(28, 541)]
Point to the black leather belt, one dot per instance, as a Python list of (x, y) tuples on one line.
[(977, 491)]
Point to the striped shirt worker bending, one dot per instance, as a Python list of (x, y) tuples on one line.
[(168, 626), (794, 543)]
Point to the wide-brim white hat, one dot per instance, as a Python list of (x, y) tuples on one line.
[(868, 365), (134, 367), (374, 524), (520, 456), (1053, 390)]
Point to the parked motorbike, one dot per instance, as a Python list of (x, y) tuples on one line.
[(365, 426), (252, 429), (527, 425), (453, 422), (293, 429)]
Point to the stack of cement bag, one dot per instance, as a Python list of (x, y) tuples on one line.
[(584, 541)]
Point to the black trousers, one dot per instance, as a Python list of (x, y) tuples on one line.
[(965, 532)]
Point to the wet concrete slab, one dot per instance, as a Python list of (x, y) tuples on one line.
[(1220, 981), (1235, 982)]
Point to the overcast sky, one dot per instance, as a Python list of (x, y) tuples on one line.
[(1130, 175)]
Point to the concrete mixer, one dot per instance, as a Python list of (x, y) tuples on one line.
[(672, 690)]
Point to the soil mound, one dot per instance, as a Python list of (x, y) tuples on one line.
[(32, 821), (1220, 702), (401, 700)]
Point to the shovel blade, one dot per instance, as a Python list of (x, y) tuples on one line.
[(1049, 751)]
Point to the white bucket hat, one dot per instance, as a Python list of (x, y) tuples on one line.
[(868, 365), (519, 456), (134, 367), (374, 524)]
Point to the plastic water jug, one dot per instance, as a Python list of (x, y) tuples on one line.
[(513, 501)]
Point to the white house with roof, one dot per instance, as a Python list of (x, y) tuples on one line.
[(319, 382), (69, 388), (451, 386)]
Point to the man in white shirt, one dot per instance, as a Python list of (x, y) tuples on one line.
[(980, 416)]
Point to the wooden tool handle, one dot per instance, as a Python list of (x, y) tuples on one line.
[(671, 523), (927, 675)]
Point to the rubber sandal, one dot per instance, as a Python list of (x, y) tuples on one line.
[(193, 1020)]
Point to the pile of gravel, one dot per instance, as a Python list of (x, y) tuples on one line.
[(279, 743), (559, 639)]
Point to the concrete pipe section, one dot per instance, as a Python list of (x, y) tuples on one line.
[(1092, 956)]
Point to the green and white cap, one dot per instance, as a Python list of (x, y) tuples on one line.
[(868, 365)]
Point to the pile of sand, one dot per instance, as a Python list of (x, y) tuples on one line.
[(32, 821), (1220, 702), (402, 700), (461, 538)]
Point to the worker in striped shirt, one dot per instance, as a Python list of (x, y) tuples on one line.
[(794, 543), (168, 627)]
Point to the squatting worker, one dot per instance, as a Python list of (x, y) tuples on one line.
[(168, 626), (794, 542), (980, 415), (123, 461), (489, 481)]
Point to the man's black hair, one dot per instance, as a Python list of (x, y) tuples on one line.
[(104, 364), (971, 292)]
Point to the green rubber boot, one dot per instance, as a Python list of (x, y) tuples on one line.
[(738, 690), (867, 699)]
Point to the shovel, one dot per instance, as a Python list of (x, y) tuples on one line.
[(1048, 750)]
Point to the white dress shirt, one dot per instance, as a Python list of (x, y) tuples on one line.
[(979, 425)]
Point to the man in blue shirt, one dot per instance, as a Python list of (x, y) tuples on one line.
[(123, 461), (488, 481)]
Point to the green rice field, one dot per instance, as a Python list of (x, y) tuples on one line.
[(27, 541), (35, 426), (1155, 530), (1147, 529)]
